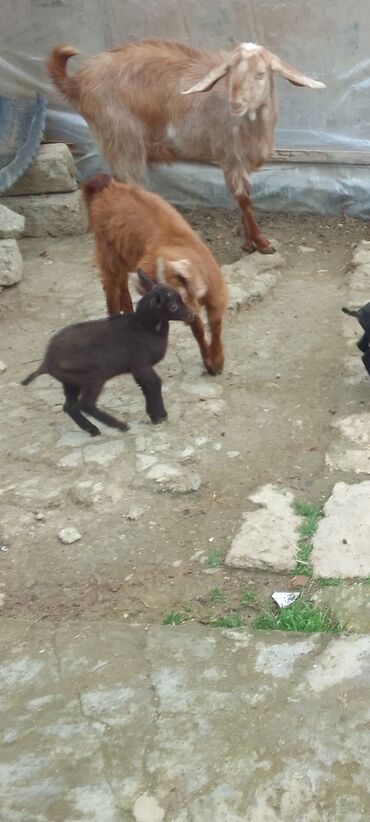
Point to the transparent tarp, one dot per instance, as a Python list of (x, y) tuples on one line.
[(329, 41)]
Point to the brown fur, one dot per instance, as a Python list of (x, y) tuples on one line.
[(134, 228), (157, 101)]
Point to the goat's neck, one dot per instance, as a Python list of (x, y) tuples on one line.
[(152, 324)]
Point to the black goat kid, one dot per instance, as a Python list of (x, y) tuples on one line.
[(363, 317), (85, 356)]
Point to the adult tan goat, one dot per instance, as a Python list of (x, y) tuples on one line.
[(142, 104)]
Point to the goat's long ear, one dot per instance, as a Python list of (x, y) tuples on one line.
[(182, 270), (141, 281), (291, 74), (210, 79)]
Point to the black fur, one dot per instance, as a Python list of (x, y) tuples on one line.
[(363, 316), (85, 356)]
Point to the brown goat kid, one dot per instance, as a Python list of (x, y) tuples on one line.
[(133, 229), (156, 101)]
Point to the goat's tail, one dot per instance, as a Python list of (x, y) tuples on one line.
[(33, 375), (351, 312), (56, 66), (94, 186)]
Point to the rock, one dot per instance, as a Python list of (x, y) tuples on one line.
[(103, 453), (147, 809), (250, 278), (350, 603), (52, 171), (305, 249), (11, 224), (11, 263), (69, 535), (175, 479), (51, 215), (268, 536), (3, 367), (341, 542)]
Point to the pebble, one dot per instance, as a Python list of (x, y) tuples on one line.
[(3, 367), (69, 535), (40, 516)]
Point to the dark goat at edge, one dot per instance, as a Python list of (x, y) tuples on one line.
[(363, 316), (83, 357)]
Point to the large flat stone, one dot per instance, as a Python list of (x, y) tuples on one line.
[(342, 540), (52, 171), (351, 451), (108, 723), (50, 215), (11, 263), (268, 537), (11, 224)]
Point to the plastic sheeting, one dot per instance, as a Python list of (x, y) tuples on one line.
[(329, 41)]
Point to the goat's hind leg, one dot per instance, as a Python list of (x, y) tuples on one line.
[(71, 407), (366, 361), (88, 404)]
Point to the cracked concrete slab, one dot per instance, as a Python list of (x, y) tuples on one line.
[(268, 536), (341, 542), (106, 722)]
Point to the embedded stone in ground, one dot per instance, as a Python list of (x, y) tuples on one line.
[(250, 278), (177, 479), (352, 451), (341, 543), (268, 537)]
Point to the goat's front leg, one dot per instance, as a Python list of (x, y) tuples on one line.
[(254, 240), (197, 328), (216, 349), (151, 386)]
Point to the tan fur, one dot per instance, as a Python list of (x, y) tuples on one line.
[(134, 229), (143, 105)]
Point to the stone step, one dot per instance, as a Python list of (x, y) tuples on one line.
[(52, 171), (50, 215)]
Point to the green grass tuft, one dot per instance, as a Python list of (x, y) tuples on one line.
[(216, 596), (214, 559), (312, 514), (325, 582), (173, 618), (247, 597), (300, 616), (231, 621)]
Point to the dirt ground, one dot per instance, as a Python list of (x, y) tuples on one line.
[(149, 546)]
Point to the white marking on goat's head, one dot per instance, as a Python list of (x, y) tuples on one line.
[(189, 284), (249, 68)]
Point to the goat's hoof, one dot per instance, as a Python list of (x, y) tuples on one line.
[(213, 369), (262, 245), (94, 432), (123, 426), (158, 420)]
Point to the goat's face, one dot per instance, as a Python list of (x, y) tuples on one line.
[(164, 302), (250, 68), (250, 81)]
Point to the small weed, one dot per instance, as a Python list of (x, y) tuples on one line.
[(214, 559), (173, 618), (216, 596), (300, 616), (247, 598), (306, 531), (231, 621), (325, 582)]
